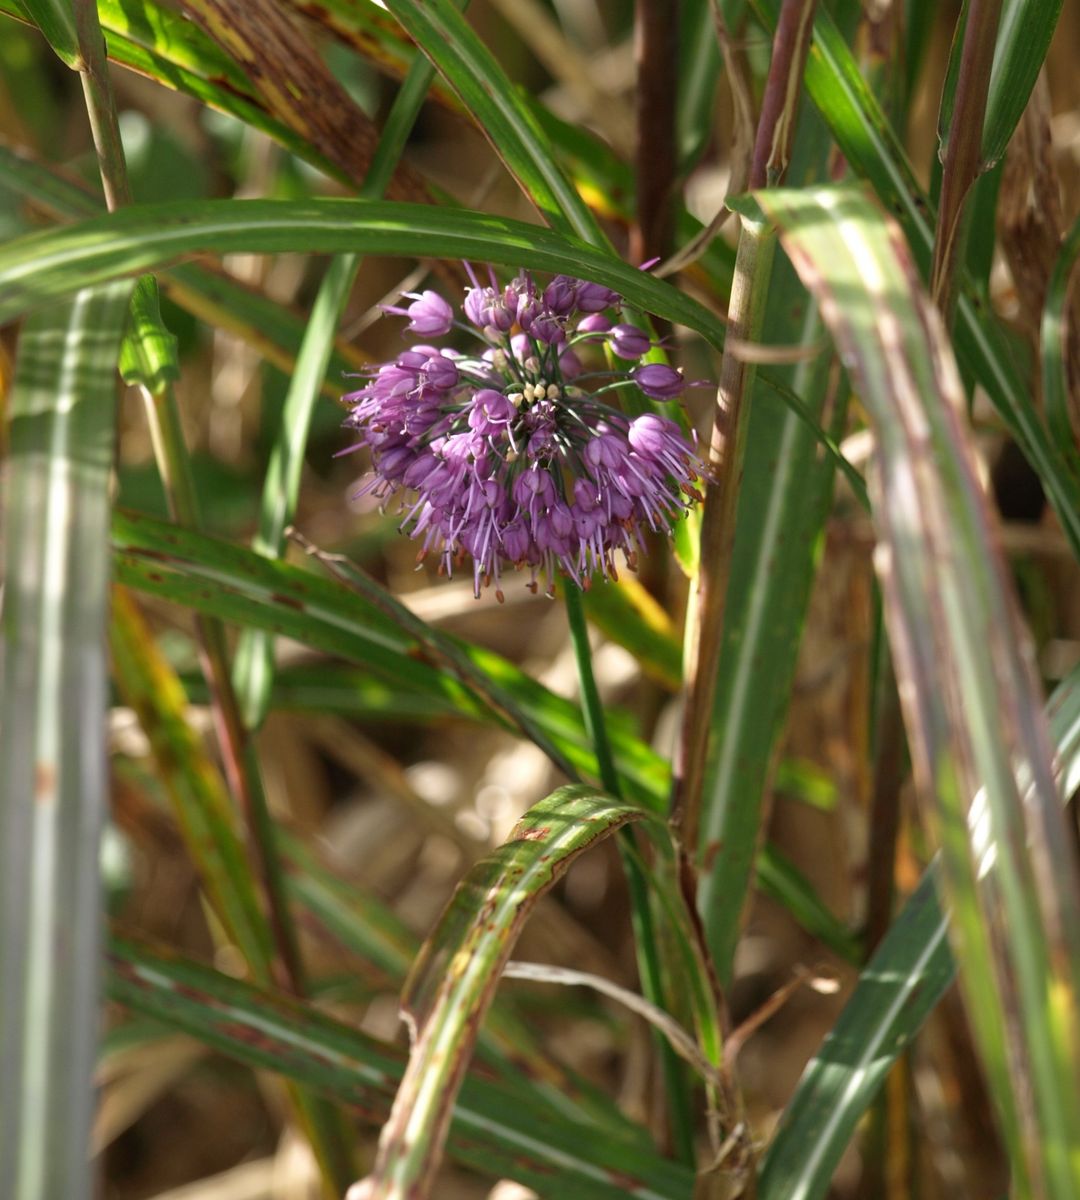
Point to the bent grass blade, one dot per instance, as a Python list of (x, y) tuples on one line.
[(453, 980)]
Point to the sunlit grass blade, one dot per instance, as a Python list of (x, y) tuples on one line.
[(874, 153), (453, 980), (158, 42), (52, 726), (505, 119), (493, 1130), (963, 661), (211, 294), (40, 266)]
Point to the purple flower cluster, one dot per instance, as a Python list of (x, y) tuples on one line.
[(512, 455)]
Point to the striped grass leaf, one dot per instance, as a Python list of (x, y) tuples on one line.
[(54, 262), (963, 662), (907, 976), (274, 330), (495, 1131), (453, 980), (238, 585), (52, 722), (874, 153), (363, 925)]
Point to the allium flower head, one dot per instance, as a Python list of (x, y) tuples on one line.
[(512, 454)]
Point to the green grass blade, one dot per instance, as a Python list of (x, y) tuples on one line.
[(909, 973), (56, 20), (163, 45), (1055, 319), (1025, 30), (253, 665), (874, 153), (493, 1130), (43, 265), (699, 71), (210, 294), (52, 725), (896, 992), (454, 979), (254, 661), (785, 494), (396, 682), (501, 113), (980, 744), (238, 585)]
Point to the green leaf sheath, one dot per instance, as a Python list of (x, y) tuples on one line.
[(52, 737)]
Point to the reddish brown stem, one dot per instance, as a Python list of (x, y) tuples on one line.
[(656, 46), (963, 150)]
